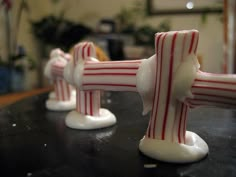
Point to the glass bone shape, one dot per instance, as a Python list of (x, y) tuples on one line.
[(88, 113), (170, 83), (62, 97)]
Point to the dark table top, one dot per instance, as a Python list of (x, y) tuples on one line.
[(35, 142)]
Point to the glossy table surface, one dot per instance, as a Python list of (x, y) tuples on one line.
[(35, 142)]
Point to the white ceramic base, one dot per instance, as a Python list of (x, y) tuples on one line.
[(55, 105), (194, 149), (77, 120)]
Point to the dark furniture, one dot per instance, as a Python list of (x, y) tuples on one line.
[(35, 142)]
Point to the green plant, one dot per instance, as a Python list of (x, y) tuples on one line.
[(127, 18), (144, 35), (59, 32)]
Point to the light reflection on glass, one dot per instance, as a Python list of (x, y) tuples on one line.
[(190, 5)]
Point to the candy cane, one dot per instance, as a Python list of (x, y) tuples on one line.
[(88, 102), (62, 88), (88, 113), (113, 76), (168, 122), (63, 99), (213, 90), (209, 90)]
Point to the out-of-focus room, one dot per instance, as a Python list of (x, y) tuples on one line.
[(122, 29)]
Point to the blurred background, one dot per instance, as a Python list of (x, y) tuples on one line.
[(123, 29)]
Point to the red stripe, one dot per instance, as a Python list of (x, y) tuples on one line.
[(58, 66), (214, 101), (56, 90), (89, 50), (59, 92), (85, 102), (180, 120), (195, 103), (98, 102), (115, 62), (195, 50), (91, 103), (62, 90), (213, 74), (108, 84), (159, 81), (183, 47), (149, 129), (83, 50), (155, 84), (214, 88), (118, 74), (124, 67), (211, 95), (215, 81), (169, 85), (66, 91), (191, 44)]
